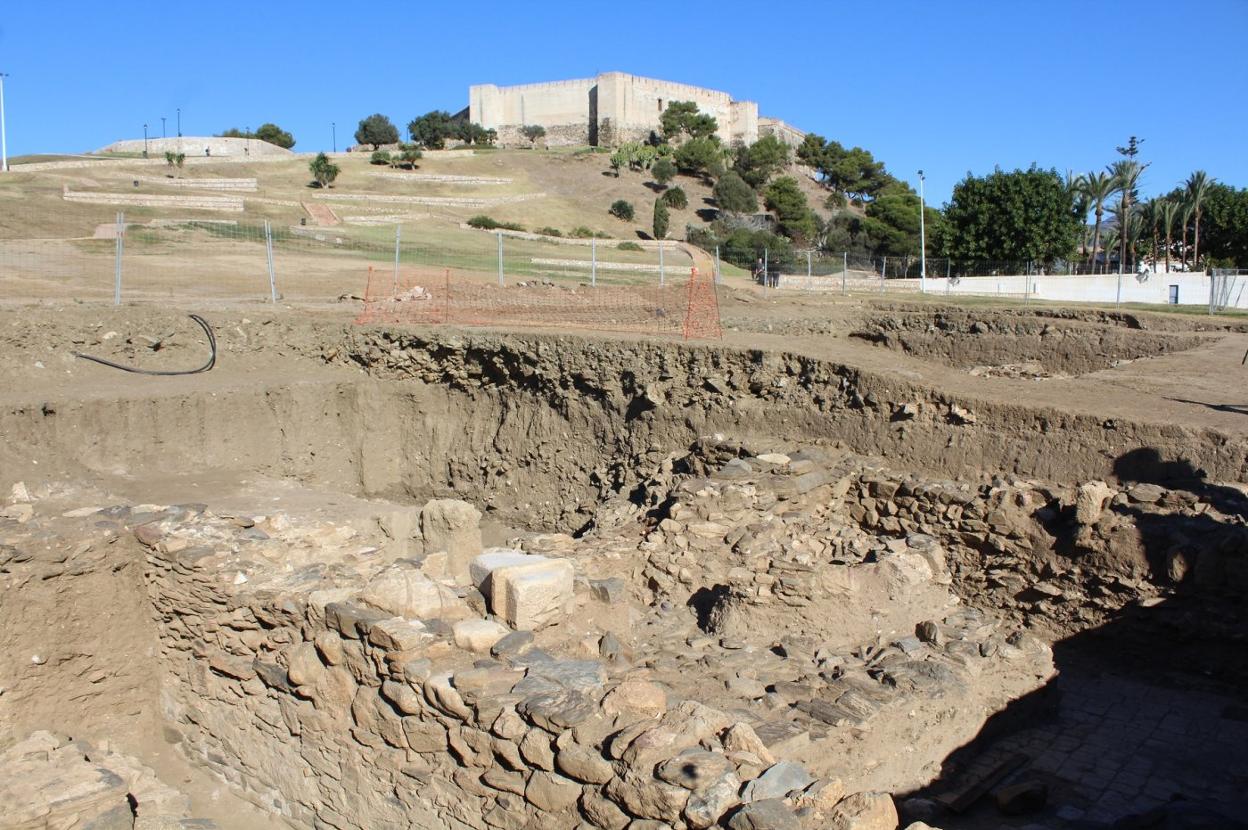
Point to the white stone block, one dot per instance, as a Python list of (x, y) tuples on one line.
[(532, 596)]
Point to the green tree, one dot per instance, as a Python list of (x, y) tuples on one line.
[(274, 134), (323, 170), (733, 195), (1021, 215), (533, 132), (785, 198), (761, 160), (1168, 214), (432, 129), (622, 209), (700, 156), (1225, 213), (473, 133), (380, 157), (683, 118), (675, 198), (661, 219), (853, 172), (376, 130), (1197, 186), (1126, 174), (1097, 187), (663, 170)]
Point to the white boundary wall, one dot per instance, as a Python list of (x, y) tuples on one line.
[(1104, 289)]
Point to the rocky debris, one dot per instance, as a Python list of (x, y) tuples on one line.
[(452, 526), (49, 781), (478, 636), (864, 811), (403, 590)]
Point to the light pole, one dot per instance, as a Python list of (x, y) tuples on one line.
[(179, 122), (922, 241), (247, 146), (334, 130), (162, 127), (4, 146), (144, 141)]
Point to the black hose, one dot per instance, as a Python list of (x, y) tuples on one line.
[(212, 359)]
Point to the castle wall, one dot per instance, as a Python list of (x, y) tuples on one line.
[(607, 110), (562, 107)]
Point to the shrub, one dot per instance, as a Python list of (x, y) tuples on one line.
[(601, 235), (581, 232), (548, 231), (379, 157), (663, 170), (487, 223), (675, 198), (629, 246), (733, 195), (661, 219), (621, 209)]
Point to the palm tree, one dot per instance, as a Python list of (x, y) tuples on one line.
[(1197, 187), (1127, 174), (1097, 187), (1185, 219), (1168, 212), (1151, 216)]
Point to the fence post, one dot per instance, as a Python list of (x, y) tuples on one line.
[(808, 285), (500, 259), (766, 270), (398, 234), (118, 248), (661, 263), (1118, 296), (883, 271), (844, 272), (593, 261), (717, 277), (268, 247)]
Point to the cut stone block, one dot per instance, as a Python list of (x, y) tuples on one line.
[(532, 596), (481, 567)]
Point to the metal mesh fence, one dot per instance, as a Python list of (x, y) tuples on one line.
[(249, 260)]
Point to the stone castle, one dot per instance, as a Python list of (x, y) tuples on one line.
[(610, 109)]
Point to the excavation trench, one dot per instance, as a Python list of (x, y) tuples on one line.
[(776, 558)]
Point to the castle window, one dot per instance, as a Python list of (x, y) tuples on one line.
[(660, 105)]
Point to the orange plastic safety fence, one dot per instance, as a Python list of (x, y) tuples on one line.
[(689, 309)]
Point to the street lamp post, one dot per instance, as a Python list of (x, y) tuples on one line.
[(4, 146), (334, 129), (179, 122), (162, 127), (922, 241), (144, 141)]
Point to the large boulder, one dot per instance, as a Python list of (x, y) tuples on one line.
[(864, 811), (453, 526)]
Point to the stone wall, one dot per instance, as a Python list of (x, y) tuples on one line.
[(199, 146)]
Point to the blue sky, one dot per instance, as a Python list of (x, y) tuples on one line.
[(949, 87)]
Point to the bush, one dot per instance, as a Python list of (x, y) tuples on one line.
[(661, 219), (621, 209), (408, 156), (581, 232), (629, 246), (548, 231), (601, 235), (676, 198), (699, 156), (486, 223), (533, 132), (663, 170), (379, 157)]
